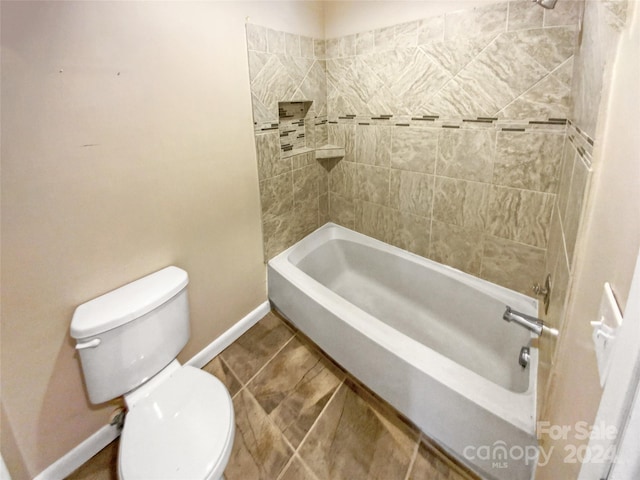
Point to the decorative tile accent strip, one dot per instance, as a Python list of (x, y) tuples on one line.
[(478, 120), (581, 142), (490, 123)]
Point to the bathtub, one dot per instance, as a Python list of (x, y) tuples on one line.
[(427, 338)]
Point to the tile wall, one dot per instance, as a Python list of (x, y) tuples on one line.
[(478, 198), (293, 187), (453, 125)]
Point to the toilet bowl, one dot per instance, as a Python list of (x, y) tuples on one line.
[(180, 421)]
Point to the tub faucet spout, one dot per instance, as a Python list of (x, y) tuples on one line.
[(527, 321)]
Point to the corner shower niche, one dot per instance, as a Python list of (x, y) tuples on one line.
[(296, 138)]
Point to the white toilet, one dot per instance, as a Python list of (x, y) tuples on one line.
[(180, 421)]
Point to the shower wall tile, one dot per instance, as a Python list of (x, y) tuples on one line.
[(414, 149), (455, 54), (487, 192), (573, 214), (406, 231), (528, 160), (342, 179), (550, 98), (407, 34), (453, 101), (373, 145), (461, 203), (256, 37), (524, 15), (560, 285), (292, 45), (457, 246), (348, 45), (569, 156), (373, 184), (303, 160), (385, 38), (430, 30), (305, 217), (342, 211), (319, 48), (263, 115), (520, 215), (555, 247), (275, 41), (306, 47), (466, 154), (276, 195), (375, 221), (564, 72), (273, 84), (552, 46), (323, 209), (410, 232), (506, 70), (565, 12), (491, 67), (511, 264), (411, 192), (277, 232), (257, 60), (305, 182), (270, 164), (365, 42), (283, 67), (333, 48), (343, 136)]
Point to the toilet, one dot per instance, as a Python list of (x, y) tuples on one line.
[(180, 420)]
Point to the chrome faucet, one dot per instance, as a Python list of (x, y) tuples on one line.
[(534, 324)]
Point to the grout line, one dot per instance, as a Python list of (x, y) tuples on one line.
[(414, 456), (306, 467), (270, 358), (304, 439), (433, 195)]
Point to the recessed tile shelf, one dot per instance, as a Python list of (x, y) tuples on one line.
[(329, 151)]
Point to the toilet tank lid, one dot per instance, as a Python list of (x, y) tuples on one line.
[(128, 302)]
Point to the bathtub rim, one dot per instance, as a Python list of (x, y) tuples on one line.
[(518, 409)]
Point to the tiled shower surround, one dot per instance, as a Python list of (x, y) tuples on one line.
[(454, 128)]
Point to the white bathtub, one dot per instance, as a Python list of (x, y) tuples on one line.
[(427, 338)]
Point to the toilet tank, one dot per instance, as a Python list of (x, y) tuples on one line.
[(126, 336)]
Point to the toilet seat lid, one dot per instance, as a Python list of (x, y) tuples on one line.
[(183, 430)]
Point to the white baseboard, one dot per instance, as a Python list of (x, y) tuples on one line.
[(70, 462), (216, 347), (74, 459)]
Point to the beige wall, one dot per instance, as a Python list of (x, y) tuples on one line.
[(127, 146), (609, 237), (349, 17)]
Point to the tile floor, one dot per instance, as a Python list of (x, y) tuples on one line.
[(299, 416)]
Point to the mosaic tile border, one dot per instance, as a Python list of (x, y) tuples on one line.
[(582, 142), (435, 121)]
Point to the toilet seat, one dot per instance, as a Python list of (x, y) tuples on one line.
[(182, 430)]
